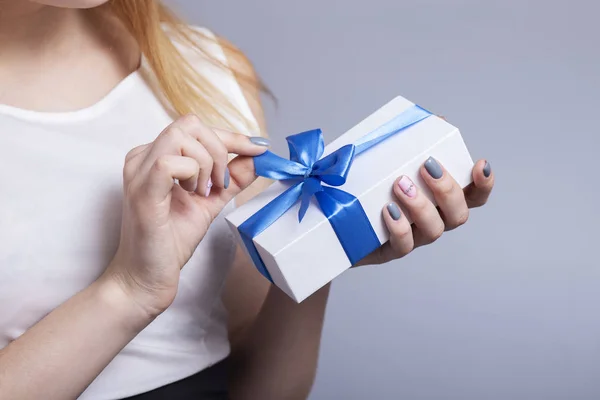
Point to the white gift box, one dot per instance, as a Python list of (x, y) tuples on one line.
[(302, 257)]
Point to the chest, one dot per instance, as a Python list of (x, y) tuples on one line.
[(60, 213), (61, 190), (60, 205)]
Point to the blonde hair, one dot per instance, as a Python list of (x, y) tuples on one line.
[(155, 28)]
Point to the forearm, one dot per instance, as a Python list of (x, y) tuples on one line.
[(278, 356), (63, 353)]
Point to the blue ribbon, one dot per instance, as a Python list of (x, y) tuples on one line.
[(306, 170)]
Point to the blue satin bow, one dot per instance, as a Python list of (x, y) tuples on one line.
[(308, 170)]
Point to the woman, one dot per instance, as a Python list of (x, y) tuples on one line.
[(93, 298)]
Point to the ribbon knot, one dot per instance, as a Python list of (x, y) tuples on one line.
[(306, 166)]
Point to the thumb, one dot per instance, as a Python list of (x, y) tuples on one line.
[(242, 174)]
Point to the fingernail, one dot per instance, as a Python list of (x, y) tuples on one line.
[(260, 141), (208, 187), (407, 186), (227, 178), (487, 169), (394, 211), (433, 168)]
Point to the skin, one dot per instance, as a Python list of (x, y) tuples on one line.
[(266, 328)]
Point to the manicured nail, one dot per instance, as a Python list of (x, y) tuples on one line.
[(394, 211), (208, 187), (407, 186), (487, 169), (260, 141), (227, 178), (434, 168)]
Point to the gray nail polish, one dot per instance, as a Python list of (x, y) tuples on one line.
[(433, 168), (487, 169), (394, 211), (260, 141), (227, 178)]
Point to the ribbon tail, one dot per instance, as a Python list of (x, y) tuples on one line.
[(402, 121), (349, 221), (311, 186), (264, 218)]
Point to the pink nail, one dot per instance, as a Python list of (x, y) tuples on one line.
[(407, 186), (208, 187)]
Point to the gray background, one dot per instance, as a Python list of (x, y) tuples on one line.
[(507, 306)]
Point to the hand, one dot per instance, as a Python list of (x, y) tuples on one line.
[(164, 220), (429, 222)]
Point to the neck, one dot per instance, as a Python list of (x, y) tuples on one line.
[(76, 55), (31, 32), (28, 29)]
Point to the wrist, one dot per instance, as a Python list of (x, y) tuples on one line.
[(111, 292)]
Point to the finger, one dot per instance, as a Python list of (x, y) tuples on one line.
[(136, 152), (220, 143), (133, 159), (401, 238), (193, 149), (429, 225), (174, 141), (235, 143), (193, 126), (159, 182), (447, 192), (243, 145), (242, 175), (478, 192)]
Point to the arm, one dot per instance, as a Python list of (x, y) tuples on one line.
[(161, 226), (63, 353), (275, 342), (275, 347)]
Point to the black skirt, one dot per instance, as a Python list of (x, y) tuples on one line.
[(209, 384)]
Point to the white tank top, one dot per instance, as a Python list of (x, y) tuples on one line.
[(60, 205)]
